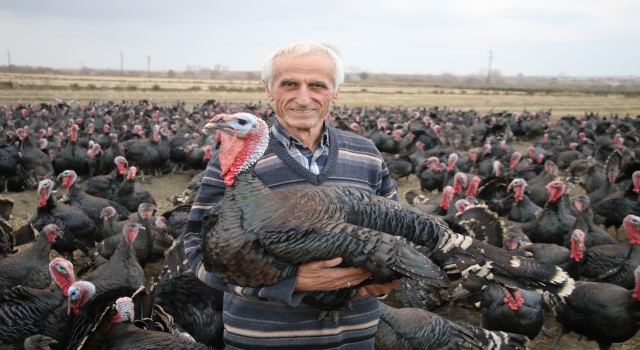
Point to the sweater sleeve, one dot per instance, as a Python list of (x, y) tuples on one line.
[(386, 188), (211, 192)]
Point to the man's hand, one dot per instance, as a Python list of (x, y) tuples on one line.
[(324, 276), (378, 289)]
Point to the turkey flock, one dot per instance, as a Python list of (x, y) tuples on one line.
[(504, 235)]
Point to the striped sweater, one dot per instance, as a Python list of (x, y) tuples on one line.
[(273, 316)]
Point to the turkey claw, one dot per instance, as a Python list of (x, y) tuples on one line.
[(334, 314)]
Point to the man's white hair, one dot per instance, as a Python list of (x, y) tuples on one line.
[(302, 48)]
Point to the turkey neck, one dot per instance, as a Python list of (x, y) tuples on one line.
[(41, 248)]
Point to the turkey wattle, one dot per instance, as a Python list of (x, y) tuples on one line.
[(261, 235)]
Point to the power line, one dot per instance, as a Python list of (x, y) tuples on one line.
[(489, 72)]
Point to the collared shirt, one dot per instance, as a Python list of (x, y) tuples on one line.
[(314, 161)]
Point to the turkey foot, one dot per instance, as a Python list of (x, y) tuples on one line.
[(334, 314), (144, 180)]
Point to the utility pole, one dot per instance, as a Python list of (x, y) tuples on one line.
[(489, 72), (148, 65), (9, 56), (121, 64)]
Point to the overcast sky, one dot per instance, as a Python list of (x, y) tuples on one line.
[(541, 37)]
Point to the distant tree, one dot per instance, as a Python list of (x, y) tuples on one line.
[(364, 75), (171, 73)]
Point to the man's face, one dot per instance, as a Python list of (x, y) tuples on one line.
[(302, 90)]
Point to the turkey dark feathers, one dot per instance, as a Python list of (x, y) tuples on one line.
[(262, 235)]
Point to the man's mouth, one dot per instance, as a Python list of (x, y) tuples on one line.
[(302, 111)]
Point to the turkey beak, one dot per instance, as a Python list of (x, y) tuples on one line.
[(59, 232), (219, 124)]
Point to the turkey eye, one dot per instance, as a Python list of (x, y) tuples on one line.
[(242, 121)]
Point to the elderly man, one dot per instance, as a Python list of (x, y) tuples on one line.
[(302, 80)]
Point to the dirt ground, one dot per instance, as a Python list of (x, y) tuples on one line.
[(164, 188)]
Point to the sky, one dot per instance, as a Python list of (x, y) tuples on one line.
[(533, 38)]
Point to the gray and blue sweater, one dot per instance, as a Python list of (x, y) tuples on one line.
[(273, 316)]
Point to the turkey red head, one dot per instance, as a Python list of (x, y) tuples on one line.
[(568, 186), (451, 162), (472, 190), (556, 189), (105, 128), (513, 240), (459, 183), (487, 147), (44, 191), (419, 145), (52, 231), (69, 177), (122, 164), (43, 143), (21, 133), (62, 272), (545, 139), (532, 152), (397, 135), (636, 292), (473, 154), (108, 212), (245, 138), (90, 128), (39, 342), (73, 133), (515, 159), (518, 186), (432, 162), (581, 202), (145, 210), (207, 152), (513, 297), (577, 245), (632, 225), (114, 138), (124, 309), (497, 166), (436, 129), (461, 205), (447, 197), (130, 231), (636, 181), (161, 224), (79, 294)]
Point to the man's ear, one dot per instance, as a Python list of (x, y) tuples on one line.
[(335, 96), (266, 89)]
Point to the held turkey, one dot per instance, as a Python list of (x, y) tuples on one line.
[(255, 244)]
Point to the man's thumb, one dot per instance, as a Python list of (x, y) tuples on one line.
[(333, 262)]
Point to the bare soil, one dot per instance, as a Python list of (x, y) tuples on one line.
[(164, 188)]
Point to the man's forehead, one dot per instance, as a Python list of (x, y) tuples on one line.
[(314, 66)]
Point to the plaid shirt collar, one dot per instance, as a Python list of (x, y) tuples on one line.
[(289, 141)]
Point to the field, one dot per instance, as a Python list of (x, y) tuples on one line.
[(36, 89), (40, 88)]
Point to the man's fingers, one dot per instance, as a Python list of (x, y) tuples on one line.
[(333, 262)]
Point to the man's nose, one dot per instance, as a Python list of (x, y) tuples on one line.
[(304, 95)]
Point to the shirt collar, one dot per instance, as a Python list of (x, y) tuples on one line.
[(290, 141)]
